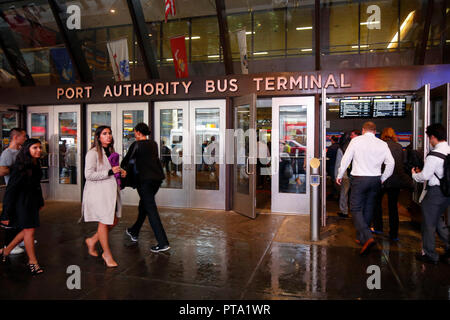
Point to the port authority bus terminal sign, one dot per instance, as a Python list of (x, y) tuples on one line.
[(349, 81), (224, 86)]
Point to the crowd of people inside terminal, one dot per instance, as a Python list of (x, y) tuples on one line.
[(363, 168)]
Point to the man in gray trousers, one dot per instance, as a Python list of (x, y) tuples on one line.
[(368, 153), (435, 203)]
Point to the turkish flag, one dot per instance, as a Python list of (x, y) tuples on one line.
[(178, 47)]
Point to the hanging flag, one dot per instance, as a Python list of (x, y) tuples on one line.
[(178, 46), (63, 65), (118, 54), (242, 42), (170, 8)]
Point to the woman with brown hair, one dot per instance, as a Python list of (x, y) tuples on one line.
[(392, 186), (101, 196)]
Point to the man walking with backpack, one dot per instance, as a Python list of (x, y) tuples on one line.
[(436, 172)]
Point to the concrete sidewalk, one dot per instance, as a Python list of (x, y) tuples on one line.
[(222, 255)]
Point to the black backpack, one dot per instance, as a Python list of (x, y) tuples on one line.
[(445, 180)]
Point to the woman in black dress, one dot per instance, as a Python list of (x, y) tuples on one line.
[(23, 200)]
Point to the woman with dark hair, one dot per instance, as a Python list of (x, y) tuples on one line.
[(23, 200), (344, 188), (149, 175), (101, 196)]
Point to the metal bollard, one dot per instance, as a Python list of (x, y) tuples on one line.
[(314, 199)]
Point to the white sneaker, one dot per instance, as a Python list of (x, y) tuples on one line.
[(17, 250), (22, 245)]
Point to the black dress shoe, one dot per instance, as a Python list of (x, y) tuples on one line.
[(340, 214), (425, 258)]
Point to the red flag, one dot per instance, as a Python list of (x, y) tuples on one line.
[(170, 8), (179, 56)]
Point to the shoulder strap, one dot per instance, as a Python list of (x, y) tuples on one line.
[(437, 154)]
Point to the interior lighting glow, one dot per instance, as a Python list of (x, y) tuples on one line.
[(303, 28), (306, 50), (193, 38), (361, 46), (403, 30), (262, 52)]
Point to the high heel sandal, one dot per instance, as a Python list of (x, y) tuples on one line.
[(109, 265), (35, 269)]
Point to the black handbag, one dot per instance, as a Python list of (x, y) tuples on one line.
[(132, 178)]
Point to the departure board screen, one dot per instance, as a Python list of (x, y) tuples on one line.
[(354, 108), (389, 108)]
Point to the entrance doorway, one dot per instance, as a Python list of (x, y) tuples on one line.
[(275, 159), (58, 129), (191, 139), (122, 118)]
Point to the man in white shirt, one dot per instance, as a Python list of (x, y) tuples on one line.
[(435, 203), (7, 159), (368, 153)]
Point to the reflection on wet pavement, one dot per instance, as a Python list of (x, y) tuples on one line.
[(222, 255)]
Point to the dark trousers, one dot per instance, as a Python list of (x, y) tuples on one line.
[(434, 206), (392, 194), (362, 204), (147, 208)]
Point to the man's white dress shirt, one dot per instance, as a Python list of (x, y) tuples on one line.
[(433, 165), (368, 154)]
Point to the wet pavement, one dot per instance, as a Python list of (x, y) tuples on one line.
[(222, 255)]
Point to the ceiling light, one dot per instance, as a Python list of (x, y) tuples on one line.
[(303, 28), (263, 52), (249, 32), (170, 59), (403, 30), (193, 38), (306, 50), (361, 46), (112, 11), (371, 22), (149, 34), (214, 56)]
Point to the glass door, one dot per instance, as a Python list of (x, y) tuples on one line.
[(39, 127), (323, 156), (245, 156), (67, 153), (128, 116), (122, 118), (172, 136), (421, 120), (207, 135), (58, 128), (440, 106), (292, 149)]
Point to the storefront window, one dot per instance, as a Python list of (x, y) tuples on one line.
[(205, 39), (269, 37), (173, 29), (300, 31)]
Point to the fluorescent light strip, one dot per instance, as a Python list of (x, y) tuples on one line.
[(306, 50), (193, 38), (169, 59), (371, 22), (361, 46), (249, 32), (259, 53), (213, 56), (303, 28), (395, 38)]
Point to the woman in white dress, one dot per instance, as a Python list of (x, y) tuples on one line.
[(101, 196)]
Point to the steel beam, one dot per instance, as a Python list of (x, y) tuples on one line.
[(143, 39), (224, 36), (71, 41)]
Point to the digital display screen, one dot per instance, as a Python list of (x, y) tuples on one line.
[(355, 108), (389, 108)]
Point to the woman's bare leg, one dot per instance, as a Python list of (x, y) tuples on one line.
[(90, 243), (18, 239), (29, 245), (103, 231)]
